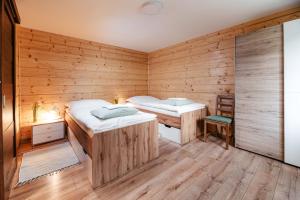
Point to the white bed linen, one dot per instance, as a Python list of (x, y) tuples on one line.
[(93, 125), (141, 99), (174, 111)]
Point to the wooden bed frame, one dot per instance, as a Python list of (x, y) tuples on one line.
[(191, 124), (113, 153)]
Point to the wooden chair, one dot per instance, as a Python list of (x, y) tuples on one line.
[(224, 116)]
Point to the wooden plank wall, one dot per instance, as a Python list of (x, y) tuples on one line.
[(54, 69), (259, 92), (202, 68)]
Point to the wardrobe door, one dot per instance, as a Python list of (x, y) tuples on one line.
[(292, 92), (9, 16), (259, 92), (9, 160)]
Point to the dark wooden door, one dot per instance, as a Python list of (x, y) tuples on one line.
[(8, 17), (7, 83)]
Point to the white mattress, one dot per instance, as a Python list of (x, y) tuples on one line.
[(93, 125), (176, 112)]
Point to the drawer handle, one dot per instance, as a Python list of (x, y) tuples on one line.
[(49, 137)]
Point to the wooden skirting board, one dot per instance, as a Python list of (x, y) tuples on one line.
[(114, 153), (189, 123)]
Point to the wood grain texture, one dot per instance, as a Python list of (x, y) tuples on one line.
[(77, 148), (114, 153), (197, 170), (192, 125), (54, 69), (203, 67), (8, 161), (189, 123), (83, 138), (259, 92), (165, 119), (17, 92)]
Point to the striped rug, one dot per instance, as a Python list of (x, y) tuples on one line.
[(46, 161)]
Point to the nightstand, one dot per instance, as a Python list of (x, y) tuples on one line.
[(48, 131)]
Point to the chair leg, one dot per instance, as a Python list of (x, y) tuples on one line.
[(205, 131), (222, 131), (231, 135), (227, 136)]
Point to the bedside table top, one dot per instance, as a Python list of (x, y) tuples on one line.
[(48, 122)]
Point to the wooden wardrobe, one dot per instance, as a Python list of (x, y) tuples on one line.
[(9, 17), (259, 92)]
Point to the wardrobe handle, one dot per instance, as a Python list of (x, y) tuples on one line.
[(3, 101)]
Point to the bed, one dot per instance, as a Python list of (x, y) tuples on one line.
[(180, 124), (110, 148)]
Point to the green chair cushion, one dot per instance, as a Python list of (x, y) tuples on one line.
[(219, 118)]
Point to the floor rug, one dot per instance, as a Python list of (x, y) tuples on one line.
[(46, 161)]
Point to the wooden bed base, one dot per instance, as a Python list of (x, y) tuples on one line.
[(114, 153), (190, 123)]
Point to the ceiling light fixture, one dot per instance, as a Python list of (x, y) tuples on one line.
[(151, 7)]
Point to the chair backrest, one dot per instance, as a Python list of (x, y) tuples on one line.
[(225, 105)]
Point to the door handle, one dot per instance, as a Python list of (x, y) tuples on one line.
[(3, 101)]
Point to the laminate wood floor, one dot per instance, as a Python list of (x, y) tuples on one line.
[(195, 171)]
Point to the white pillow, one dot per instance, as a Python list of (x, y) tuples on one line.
[(88, 104), (142, 99), (178, 99)]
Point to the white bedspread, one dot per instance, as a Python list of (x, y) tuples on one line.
[(93, 125), (175, 111)]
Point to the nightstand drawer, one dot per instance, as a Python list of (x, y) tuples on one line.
[(47, 137), (47, 132), (44, 128)]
